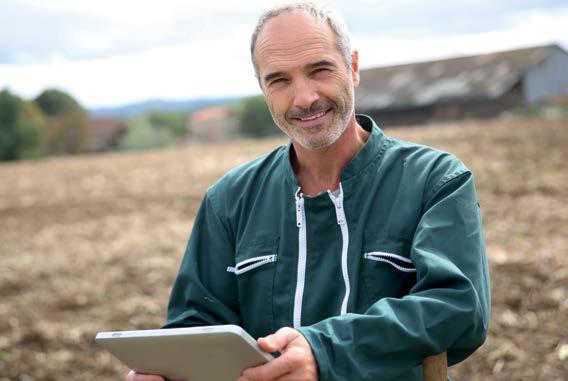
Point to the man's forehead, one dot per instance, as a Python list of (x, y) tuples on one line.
[(292, 26), (294, 35), (299, 47)]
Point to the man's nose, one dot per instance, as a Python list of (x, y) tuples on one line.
[(305, 95)]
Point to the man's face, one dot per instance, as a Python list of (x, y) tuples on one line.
[(308, 88)]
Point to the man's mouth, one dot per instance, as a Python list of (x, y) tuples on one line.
[(312, 117)]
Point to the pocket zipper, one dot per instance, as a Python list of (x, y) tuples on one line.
[(251, 263), (397, 261)]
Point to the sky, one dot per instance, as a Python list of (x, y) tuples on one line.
[(114, 52)]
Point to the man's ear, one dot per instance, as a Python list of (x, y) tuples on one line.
[(355, 67)]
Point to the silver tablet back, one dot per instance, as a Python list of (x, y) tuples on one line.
[(215, 353)]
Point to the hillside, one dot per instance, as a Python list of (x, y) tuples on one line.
[(159, 105)]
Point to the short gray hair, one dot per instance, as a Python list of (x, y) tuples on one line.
[(320, 12)]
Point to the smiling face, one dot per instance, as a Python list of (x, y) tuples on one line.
[(308, 87)]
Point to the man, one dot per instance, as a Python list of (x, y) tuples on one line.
[(353, 254)]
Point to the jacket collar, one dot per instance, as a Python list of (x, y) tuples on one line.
[(370, 153)]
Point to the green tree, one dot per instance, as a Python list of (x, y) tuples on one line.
[(173, 122), (21, 128), (67, 122), (254, 118), (33, 131), (54, 102), (141, 134)]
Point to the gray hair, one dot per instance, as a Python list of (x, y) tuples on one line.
[(331, 17)]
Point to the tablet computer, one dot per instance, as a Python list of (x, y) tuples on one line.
[(210, 353)]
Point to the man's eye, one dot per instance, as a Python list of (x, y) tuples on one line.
[(277, 81), (321, 70)]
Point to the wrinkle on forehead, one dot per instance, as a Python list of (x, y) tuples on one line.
[(285, 38), (283, 51), (300, 49)]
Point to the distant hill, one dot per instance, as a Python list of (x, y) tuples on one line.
[(133, 109)]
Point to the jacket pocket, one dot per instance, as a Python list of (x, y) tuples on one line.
[(397, 261), (388, 270), (251, 264), (255, 267)]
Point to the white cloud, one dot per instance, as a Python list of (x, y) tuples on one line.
[(198, 69)]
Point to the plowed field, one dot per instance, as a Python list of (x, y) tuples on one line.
[(93, 243)]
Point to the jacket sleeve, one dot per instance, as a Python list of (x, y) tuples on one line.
[(203, 293), (447, 309)]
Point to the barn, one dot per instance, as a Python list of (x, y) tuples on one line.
[(480, 86)]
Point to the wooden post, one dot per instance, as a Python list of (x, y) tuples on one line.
[(435, 368)]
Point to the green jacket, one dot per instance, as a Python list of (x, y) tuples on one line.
[(389, 270)]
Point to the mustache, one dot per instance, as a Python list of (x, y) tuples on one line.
[(318, 106)]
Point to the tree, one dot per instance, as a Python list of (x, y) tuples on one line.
[(173, 122), (67, 122), (254, 118), (54, 102), (142, 134), (21, 128), (33, 129)]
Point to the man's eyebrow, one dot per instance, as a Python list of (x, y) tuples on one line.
[(313, 65), (321, 63)]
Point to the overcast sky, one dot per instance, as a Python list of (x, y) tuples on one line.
[(112, 52)]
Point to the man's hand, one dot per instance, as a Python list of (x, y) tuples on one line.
[(296, 363), (133, 376)]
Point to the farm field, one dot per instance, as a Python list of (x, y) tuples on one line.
[(93, 243)]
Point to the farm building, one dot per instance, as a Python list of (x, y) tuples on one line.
[(479, 86), (104, 134), (212, 124)]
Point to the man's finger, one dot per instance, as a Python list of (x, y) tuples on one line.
[(293, 376), (279, 340), (269, 371), (133, 376)]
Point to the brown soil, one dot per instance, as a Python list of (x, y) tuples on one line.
[(93, 243)]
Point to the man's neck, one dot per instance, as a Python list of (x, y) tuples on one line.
[(320, 170)]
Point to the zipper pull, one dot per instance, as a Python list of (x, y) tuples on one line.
[(299, 208), (338, 203), (340, 212)]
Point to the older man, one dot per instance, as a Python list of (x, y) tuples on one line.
[(353, 254)]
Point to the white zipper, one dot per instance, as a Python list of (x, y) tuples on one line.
[(251, 263), (381, 256), (342, 222), (302, 254)]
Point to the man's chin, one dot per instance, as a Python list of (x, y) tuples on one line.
[(315, 143)]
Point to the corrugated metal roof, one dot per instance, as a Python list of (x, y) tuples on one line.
[(486, 76)]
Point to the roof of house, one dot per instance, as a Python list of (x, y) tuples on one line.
[(211, 114), (104, 133), (486, 76)]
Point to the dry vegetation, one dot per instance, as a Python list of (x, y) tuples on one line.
[(93, 243)]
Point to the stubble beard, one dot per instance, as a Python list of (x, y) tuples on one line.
[(316, 138)]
